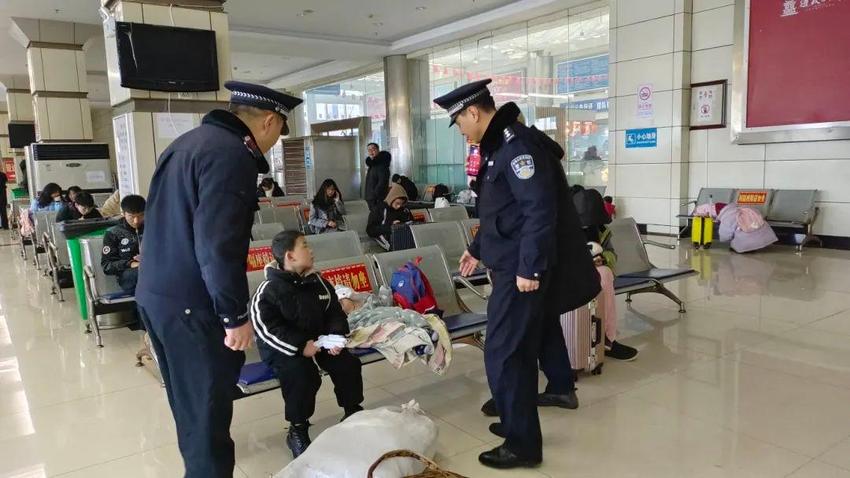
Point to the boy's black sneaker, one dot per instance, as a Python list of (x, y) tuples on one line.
[(618, 351), (348, 413), (298, 439)]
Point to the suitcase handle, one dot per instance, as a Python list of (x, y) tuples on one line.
[(597, 322)]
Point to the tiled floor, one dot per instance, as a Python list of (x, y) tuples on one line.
[(753, 381)]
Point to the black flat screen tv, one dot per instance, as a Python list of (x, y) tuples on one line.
[(160, 58), (21, 135)]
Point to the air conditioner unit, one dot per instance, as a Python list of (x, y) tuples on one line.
[(69, 164)]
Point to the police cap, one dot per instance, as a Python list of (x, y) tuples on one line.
[(261, 97), (458, 99)]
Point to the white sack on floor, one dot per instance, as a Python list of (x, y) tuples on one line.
[(348, 449)]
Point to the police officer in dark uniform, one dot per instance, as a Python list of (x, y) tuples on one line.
[(193, 290), (540, 266)]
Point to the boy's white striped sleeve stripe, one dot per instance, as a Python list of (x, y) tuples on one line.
[(262, 331)]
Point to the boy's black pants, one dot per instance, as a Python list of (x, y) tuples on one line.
[(300, 381)]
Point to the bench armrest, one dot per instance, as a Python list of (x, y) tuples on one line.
[(91, 288), (659, 244), (469, 285)]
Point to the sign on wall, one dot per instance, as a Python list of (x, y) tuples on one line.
[(642, 138), (644, 101), (9, 169), (584, 74)]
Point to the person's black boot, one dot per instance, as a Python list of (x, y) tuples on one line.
[(502, 458), (489, 408), (497, 429), (568, 401), (619, 351), (348, 413), (298, 439)]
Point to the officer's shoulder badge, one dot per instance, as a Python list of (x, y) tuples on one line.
[(106, 250), (509, 134), (523, 166)]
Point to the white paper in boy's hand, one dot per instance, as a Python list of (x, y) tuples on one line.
[(331, 341)]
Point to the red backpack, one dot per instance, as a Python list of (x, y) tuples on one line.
[(411, 289)]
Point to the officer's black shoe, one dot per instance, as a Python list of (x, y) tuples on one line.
[(502, 458), (489, 408), (569, 401), (496, 429), (298, 439)]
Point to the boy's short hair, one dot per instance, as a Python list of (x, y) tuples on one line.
[(84, 199), (608, 199), (376, 145), (396, 177), (133, 204), (284, 242)]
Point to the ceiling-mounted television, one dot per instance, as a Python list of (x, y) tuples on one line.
[(161, 58), (21, 135)]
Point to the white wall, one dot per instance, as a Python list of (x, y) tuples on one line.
[(716, 162), (101, 119)]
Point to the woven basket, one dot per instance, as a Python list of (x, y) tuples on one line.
[(431, 469)]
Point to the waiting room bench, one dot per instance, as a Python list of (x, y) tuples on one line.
[(103, 293), (287, 216), (335, 245), (635, 272), (463, 326), (786, 208)]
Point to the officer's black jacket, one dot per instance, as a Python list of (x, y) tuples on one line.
[(120, 246), (288, 310), (529, 224), (198, 221)]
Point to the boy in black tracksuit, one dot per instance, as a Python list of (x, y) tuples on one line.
[(121, 252), (290, 310)]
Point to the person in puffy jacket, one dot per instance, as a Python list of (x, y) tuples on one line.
[(377, 176), (392, 211), (290, 310), (121, 244)]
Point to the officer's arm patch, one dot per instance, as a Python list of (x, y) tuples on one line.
[(523, 166), (106, 250)]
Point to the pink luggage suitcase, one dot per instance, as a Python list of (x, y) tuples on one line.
[(585, 338)]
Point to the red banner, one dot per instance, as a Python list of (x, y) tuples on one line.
[(9, 169), (751, 198), (258, 257), (418, 216), (353, 275)]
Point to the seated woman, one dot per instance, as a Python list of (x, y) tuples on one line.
[(82, 207), (327, 209), (392, 211), (269, 188), (49, 199), (441, 196)]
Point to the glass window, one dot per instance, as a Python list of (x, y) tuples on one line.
[(554, 68), (362, 96)]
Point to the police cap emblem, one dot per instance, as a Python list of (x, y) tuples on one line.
[(523, 166)]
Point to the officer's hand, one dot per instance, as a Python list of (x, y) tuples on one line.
[(527, 285), (335, 351), (310, 349), (468, 263), (239, 338)]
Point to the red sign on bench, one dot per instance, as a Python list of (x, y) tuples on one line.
[(258, 257), (751, 198), (473, 231), (354, 275)]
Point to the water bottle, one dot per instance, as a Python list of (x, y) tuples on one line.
[(385, 296)]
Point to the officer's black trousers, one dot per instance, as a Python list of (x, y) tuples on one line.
[(300, 381), (554, 358), (200, 375), (515, 322)]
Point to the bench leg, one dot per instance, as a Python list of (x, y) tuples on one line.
[(810, 237), (659, 289), (476, 340), (94, 326)]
